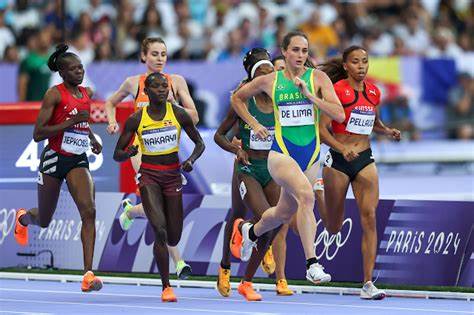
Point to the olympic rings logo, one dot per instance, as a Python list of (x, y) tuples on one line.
[(7, 222), (332, 243)]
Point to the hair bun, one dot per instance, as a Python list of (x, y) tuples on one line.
[(52, 61)]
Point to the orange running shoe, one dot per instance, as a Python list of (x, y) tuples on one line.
[(168, 295), (282, 288), (268, 262), (21, 231), (90, 282), (223, 282), (246, 290), (236, 239)]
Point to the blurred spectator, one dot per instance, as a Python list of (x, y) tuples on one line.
[(382, 42), (99, 10), (11, 55), (321, 37), (54, 15), (151, 22), (460, 112), (415, 38), (104, 52), (33, 79), (277, 37), (6, 35), (399, 48), (24, 15), (85, 23), (444, 45), (235, 47), (126, 32), (103, 32), (397, 114)]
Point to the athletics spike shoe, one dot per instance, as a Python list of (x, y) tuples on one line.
[(21, 231), (370, 292), (168, 295), (183, 270), (246, 290), (268, 262), (223, 281), (316, 274), (90, 282), (125, 221), (247, 244), (282, 288), (236, 239)]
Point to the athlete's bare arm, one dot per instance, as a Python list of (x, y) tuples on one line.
[(187, 124), (42, 129), (328, 138), (121, 152), (380, 128), (128, 87), (184, 96), (220, 137), (239, 100)]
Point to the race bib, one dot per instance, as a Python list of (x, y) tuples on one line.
[(262, 144), (296, 114), (361, 122), (159, 140), (75, 141)]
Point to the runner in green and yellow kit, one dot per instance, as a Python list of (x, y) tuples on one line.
[(299, 92)]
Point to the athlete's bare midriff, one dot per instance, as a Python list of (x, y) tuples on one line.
[(357, 143)]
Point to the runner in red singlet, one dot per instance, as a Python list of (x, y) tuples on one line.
[(63, 120), (349, 160)]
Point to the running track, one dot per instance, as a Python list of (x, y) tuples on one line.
[(45, 297)]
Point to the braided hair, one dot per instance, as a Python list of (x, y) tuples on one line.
[(58, 57)]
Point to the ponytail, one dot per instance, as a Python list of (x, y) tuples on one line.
[(334, 69)]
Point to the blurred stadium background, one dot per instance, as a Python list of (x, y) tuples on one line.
[(422, 58)]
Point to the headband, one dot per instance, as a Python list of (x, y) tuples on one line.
[(258, 64)]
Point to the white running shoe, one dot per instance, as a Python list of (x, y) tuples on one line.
[(370, 292), (247, 243), (124, 220), (316, 274)]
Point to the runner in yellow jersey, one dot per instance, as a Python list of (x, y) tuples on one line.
[(153, 54), (158, 130)]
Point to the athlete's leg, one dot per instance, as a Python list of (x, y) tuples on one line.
[(296, 192), (279, 252), (137, 210), (48, 195), (81, 188), (154, 207), (336, 185), (366, 192), (256, 199), (174, 253), (286, 173), (238, 211)]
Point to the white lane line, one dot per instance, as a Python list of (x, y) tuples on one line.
[(25, 313), (396, 308), (171, 308)]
